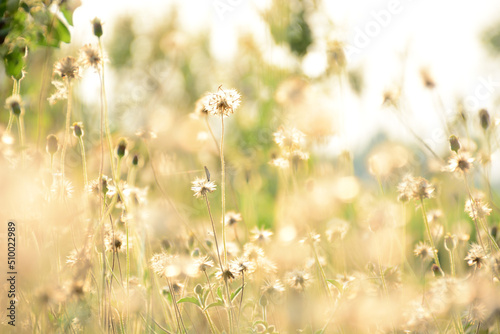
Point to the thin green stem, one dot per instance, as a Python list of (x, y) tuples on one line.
[(429, 234), (84, 162), (223, 187), (215, 233), (66, 134), (20, 128)]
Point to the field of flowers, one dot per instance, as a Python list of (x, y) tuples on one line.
[(169, 192)]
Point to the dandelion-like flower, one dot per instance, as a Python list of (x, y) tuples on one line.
[(298, 279), (159, 263), (261, 235), (200, 109), (242, 265), (115, 241), (60, 94), (477, 209), (460, 162), (226, 274), (232, 218), (223, 102), (67, 68), (476, 256), (90, 56), (202, 186), (289, 139), (273, 287), (204, 263), (416, 188), (424, 251)]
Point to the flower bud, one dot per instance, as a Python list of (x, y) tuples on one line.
[(52, 144), (263, 301), (97, 25), (437, 271), (77, 129), (198, 289), (135, 159), (454, 143), (121, 149), (484, 118), (450, 242)]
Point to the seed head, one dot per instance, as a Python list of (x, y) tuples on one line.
[(460, 162), (204, 263), (67, 68), (424, 251), (242, 265), (223, 102), (298, 279), (52, 144), (232, 218), (90, 56), (201, 187), (226, 274), (477, 209), (476, 256)]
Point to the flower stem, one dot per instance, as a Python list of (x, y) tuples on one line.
[(84, 163), (223, 187), (66, 135), (429, 234)]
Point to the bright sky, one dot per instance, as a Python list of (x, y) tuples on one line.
[(443, 36)]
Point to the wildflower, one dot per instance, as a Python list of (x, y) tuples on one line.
[(202, 186), (222, 103), (78, 129), (14, 104), (477, 209), (424, 251), (134, 195), (253, 252), (273, 287), (226, 274), (52, 144), (450, 242), (242, 265), (67, 186), (337, 231), (298, 279), (90, 57), (461, 162), (289, 139), (67, 68), (159, 262), (94, 185), (232, 218), (433, 216), (311, 238), (204, 263), (200, 110), (175, 288), (261, 235), (476, 256), (416, 188), (115, 241)]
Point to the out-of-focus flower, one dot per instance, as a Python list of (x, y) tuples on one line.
[(223, 102), (476, 256), (202, 186)]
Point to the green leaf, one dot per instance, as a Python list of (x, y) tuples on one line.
[(62, 31), (68, 15), (219, 292), (191, 300), (14, 63), (337, 284), (217, 303), (236, 293)]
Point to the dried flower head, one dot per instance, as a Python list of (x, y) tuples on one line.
[(115, 241), (201, 187), (477, 209), (298, 279), (159, 262), (67, 68), (232, 218), (61, 92), (200, 109), (14, 104), (222, 102), (242, 265), (261, 235), (476, 256), (226, 274), (90, 56), (204, 263), (459, 162), (416, 188), (272, 287), (424, 251)]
